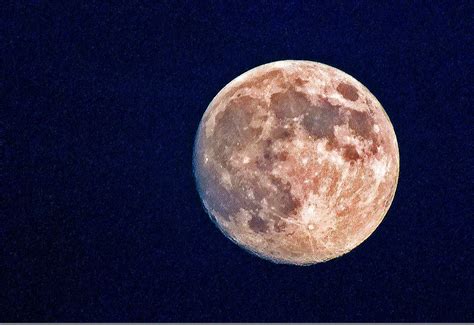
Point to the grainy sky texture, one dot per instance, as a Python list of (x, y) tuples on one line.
[(101, 220)]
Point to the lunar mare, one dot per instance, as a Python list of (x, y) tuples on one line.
[(296, 161)]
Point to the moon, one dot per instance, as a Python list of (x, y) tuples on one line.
[(296, 162)]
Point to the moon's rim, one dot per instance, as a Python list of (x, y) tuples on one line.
[(244, 76)]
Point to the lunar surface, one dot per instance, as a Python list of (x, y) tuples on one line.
[(296, 161)]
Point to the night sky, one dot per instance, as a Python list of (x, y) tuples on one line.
[(100, 219)]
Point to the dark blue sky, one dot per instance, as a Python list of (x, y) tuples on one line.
[(101, 218)]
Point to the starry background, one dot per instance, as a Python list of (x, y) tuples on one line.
[(100, 218)]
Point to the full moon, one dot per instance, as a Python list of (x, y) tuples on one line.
[(296, 161)]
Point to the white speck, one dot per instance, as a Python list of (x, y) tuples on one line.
[(226, 179), (376, 128), (304, 161), (320, 148), (379, 167), (308, 212), (299, 144), (310, 226), (246, 160), (316, 211), (250, 194), (336, 159)]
